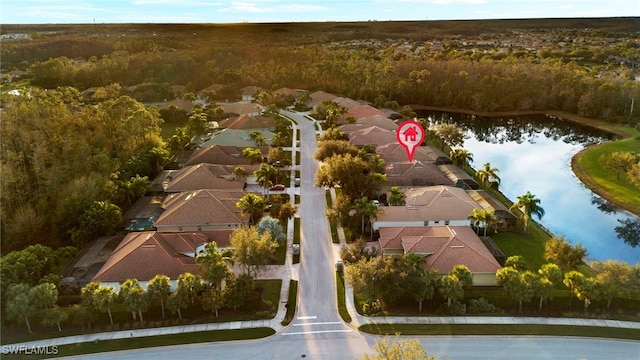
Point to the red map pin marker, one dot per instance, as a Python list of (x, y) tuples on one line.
[(410, 135)]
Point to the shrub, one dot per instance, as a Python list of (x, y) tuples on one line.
[(481, 305), (456, 308)]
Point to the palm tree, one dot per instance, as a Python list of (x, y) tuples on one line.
[(240, 173), (461, 157), (366, 208), (488, 176), (263, 176), (529, 205), (477, 217), (396, 196), (251, 204)]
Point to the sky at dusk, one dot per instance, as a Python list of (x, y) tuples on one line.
[(212, 11)]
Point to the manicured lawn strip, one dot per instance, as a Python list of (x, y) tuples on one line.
[(296, 237), (297, 157), (588, 168), (271, 291), (292, 301), (507, 330), (153, 341), (342, 303)]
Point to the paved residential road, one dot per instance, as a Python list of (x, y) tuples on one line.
[(317, 331)]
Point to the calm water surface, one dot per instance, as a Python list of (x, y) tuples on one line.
[(534, 154)]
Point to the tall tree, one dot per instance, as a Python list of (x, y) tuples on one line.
[(451, 288), (560, 252), (213, 266), (587, 289), (518, 284), (253, 155), (365, 209), (614, 279), (463, 274), (489, 176), (177, 301), (482, 218), (273, 227), (620, 162), (528, 205), (19, 305), (461, 157), (340, 170), (572, 280), (134, 298), (190, 285), (396, 196), (251, 250), (159, 290), (253, 205), (450, 135), (104, 298)]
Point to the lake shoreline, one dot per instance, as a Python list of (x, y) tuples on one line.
[(579, 171)]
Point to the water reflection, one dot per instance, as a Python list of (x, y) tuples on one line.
[(533, 153)]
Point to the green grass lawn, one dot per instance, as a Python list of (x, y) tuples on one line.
[(521, 330), (529, 246), (152, 341), (589, 169), (342, 303), (292, 301)]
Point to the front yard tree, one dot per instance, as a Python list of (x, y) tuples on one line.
[(286, 211), (253, 155), (396, 196), (365, 209), (330, 148), (253, 205), (614, 278), (213, 266), (463, 274), (134, 297), (401, 349), (352, 174), (190, 285), (18, 304), (451, 288), (237, 289), (587, 289), (159, 289), (572, 280), (517, 284), (177, 301), (528, 205), (333, 133), (104, 297), (273, 227), (252, 251), (559, 251)]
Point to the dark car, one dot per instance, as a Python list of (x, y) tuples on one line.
[(277, 187)]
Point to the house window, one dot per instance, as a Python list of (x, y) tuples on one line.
[(437, 222), (426, 223), (446, 222), (179, 228), (199, 227)]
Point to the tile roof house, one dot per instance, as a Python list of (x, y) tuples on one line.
[(444, 248), (201, 176), (394, 152), (236, 137), (371, 135), (222, 154), (143, 255), (201, 210), (248, 93), (415, 173), (285, 91), (181, 104), (360, 112), (374, 120), (432, 205), (320, 96), (346, 102), (241, 108), (247, 122)]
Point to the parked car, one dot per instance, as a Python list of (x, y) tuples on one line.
[(339, 266), (277, 187)]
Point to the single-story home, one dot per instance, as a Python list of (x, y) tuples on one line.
[(415, 173), (247, 121), (372, 135), (359, 112), (223, 155), (490, 204), (443, 247), (429, 206), (236, 137), (394, 152), (143, 255), (374, 120), (201, 176), (459, 177), (201, 210)]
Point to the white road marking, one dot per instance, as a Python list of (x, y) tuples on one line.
[(317, 332), (306, 317), (319, 323)]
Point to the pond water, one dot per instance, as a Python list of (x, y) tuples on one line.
[(533, 153)]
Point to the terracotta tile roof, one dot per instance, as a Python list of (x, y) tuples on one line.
[(182, 104), (394, 152), (221, 154), (247, 121), (240, 108), (445, 247), (361, 111), (457, 175), (285, 91), (416, 173), (432, 203), (249, 90), (372, 135), (201, 176), (143, 255), (236, 137), (202, 207), (346, 102), (320, 96), (365, 122)]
